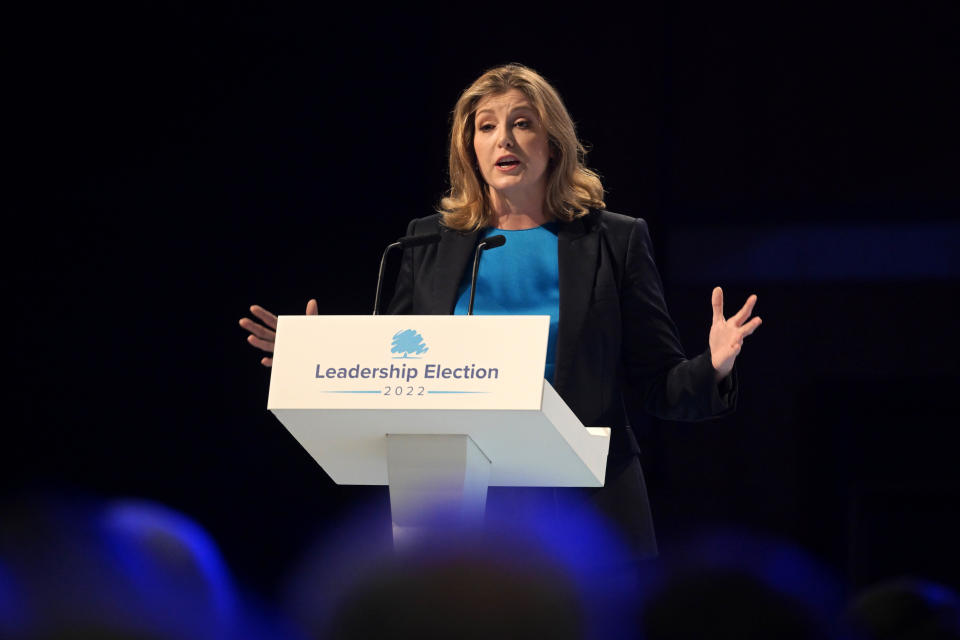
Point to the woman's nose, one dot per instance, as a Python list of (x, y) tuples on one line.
[(506, 138)]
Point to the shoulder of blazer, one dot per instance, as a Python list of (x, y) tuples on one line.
[(432, 224), (623, 238), (425, 225), (618, 231), (618, 222)]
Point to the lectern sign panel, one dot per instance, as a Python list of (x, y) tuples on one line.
[(409, 362)]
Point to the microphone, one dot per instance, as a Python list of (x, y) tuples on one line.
[(489, 243), (406, 242)]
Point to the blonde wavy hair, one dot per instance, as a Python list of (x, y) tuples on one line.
[(572, 188)]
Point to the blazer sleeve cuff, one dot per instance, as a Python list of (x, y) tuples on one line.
[(718, 398)]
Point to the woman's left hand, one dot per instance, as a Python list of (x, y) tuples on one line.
[(727, 334)]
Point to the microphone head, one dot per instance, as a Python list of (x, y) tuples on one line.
[(493, 242), (408, 242)]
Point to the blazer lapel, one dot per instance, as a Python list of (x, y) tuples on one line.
[(577, 249), (453, 255)]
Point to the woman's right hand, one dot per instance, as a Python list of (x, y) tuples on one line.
[(264, 333)]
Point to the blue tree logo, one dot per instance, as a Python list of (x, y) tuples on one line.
[(408, 341)]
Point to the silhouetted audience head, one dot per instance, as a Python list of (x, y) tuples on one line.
[(725, 603), (480, 593), (738, 585), (557, 577), (907, 609), (121, 569)]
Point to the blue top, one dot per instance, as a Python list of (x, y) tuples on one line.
[(521, 278)]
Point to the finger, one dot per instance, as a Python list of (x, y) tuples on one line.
[(267, 362), (735, 348), (312, 309), (265, 316), (717, 301), (258, 329), (741, 316), (263, 345), (750, 327)]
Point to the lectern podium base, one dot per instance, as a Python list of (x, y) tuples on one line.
[(436, 481)]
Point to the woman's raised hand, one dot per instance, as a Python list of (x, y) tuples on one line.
[(262, 336), (727, 334)]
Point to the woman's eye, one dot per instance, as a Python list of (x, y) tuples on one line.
[(523, 124), (485, 127)]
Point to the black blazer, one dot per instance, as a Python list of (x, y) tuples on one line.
[(614, 336)]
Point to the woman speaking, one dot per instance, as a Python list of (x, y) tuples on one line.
[(517, 169)]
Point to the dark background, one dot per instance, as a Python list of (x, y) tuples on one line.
[(173, 164)]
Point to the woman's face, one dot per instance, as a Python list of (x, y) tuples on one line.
[(511, 144)]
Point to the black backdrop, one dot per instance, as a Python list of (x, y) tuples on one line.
[(173, 164)]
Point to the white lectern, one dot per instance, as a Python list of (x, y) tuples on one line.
[(437, 407)]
